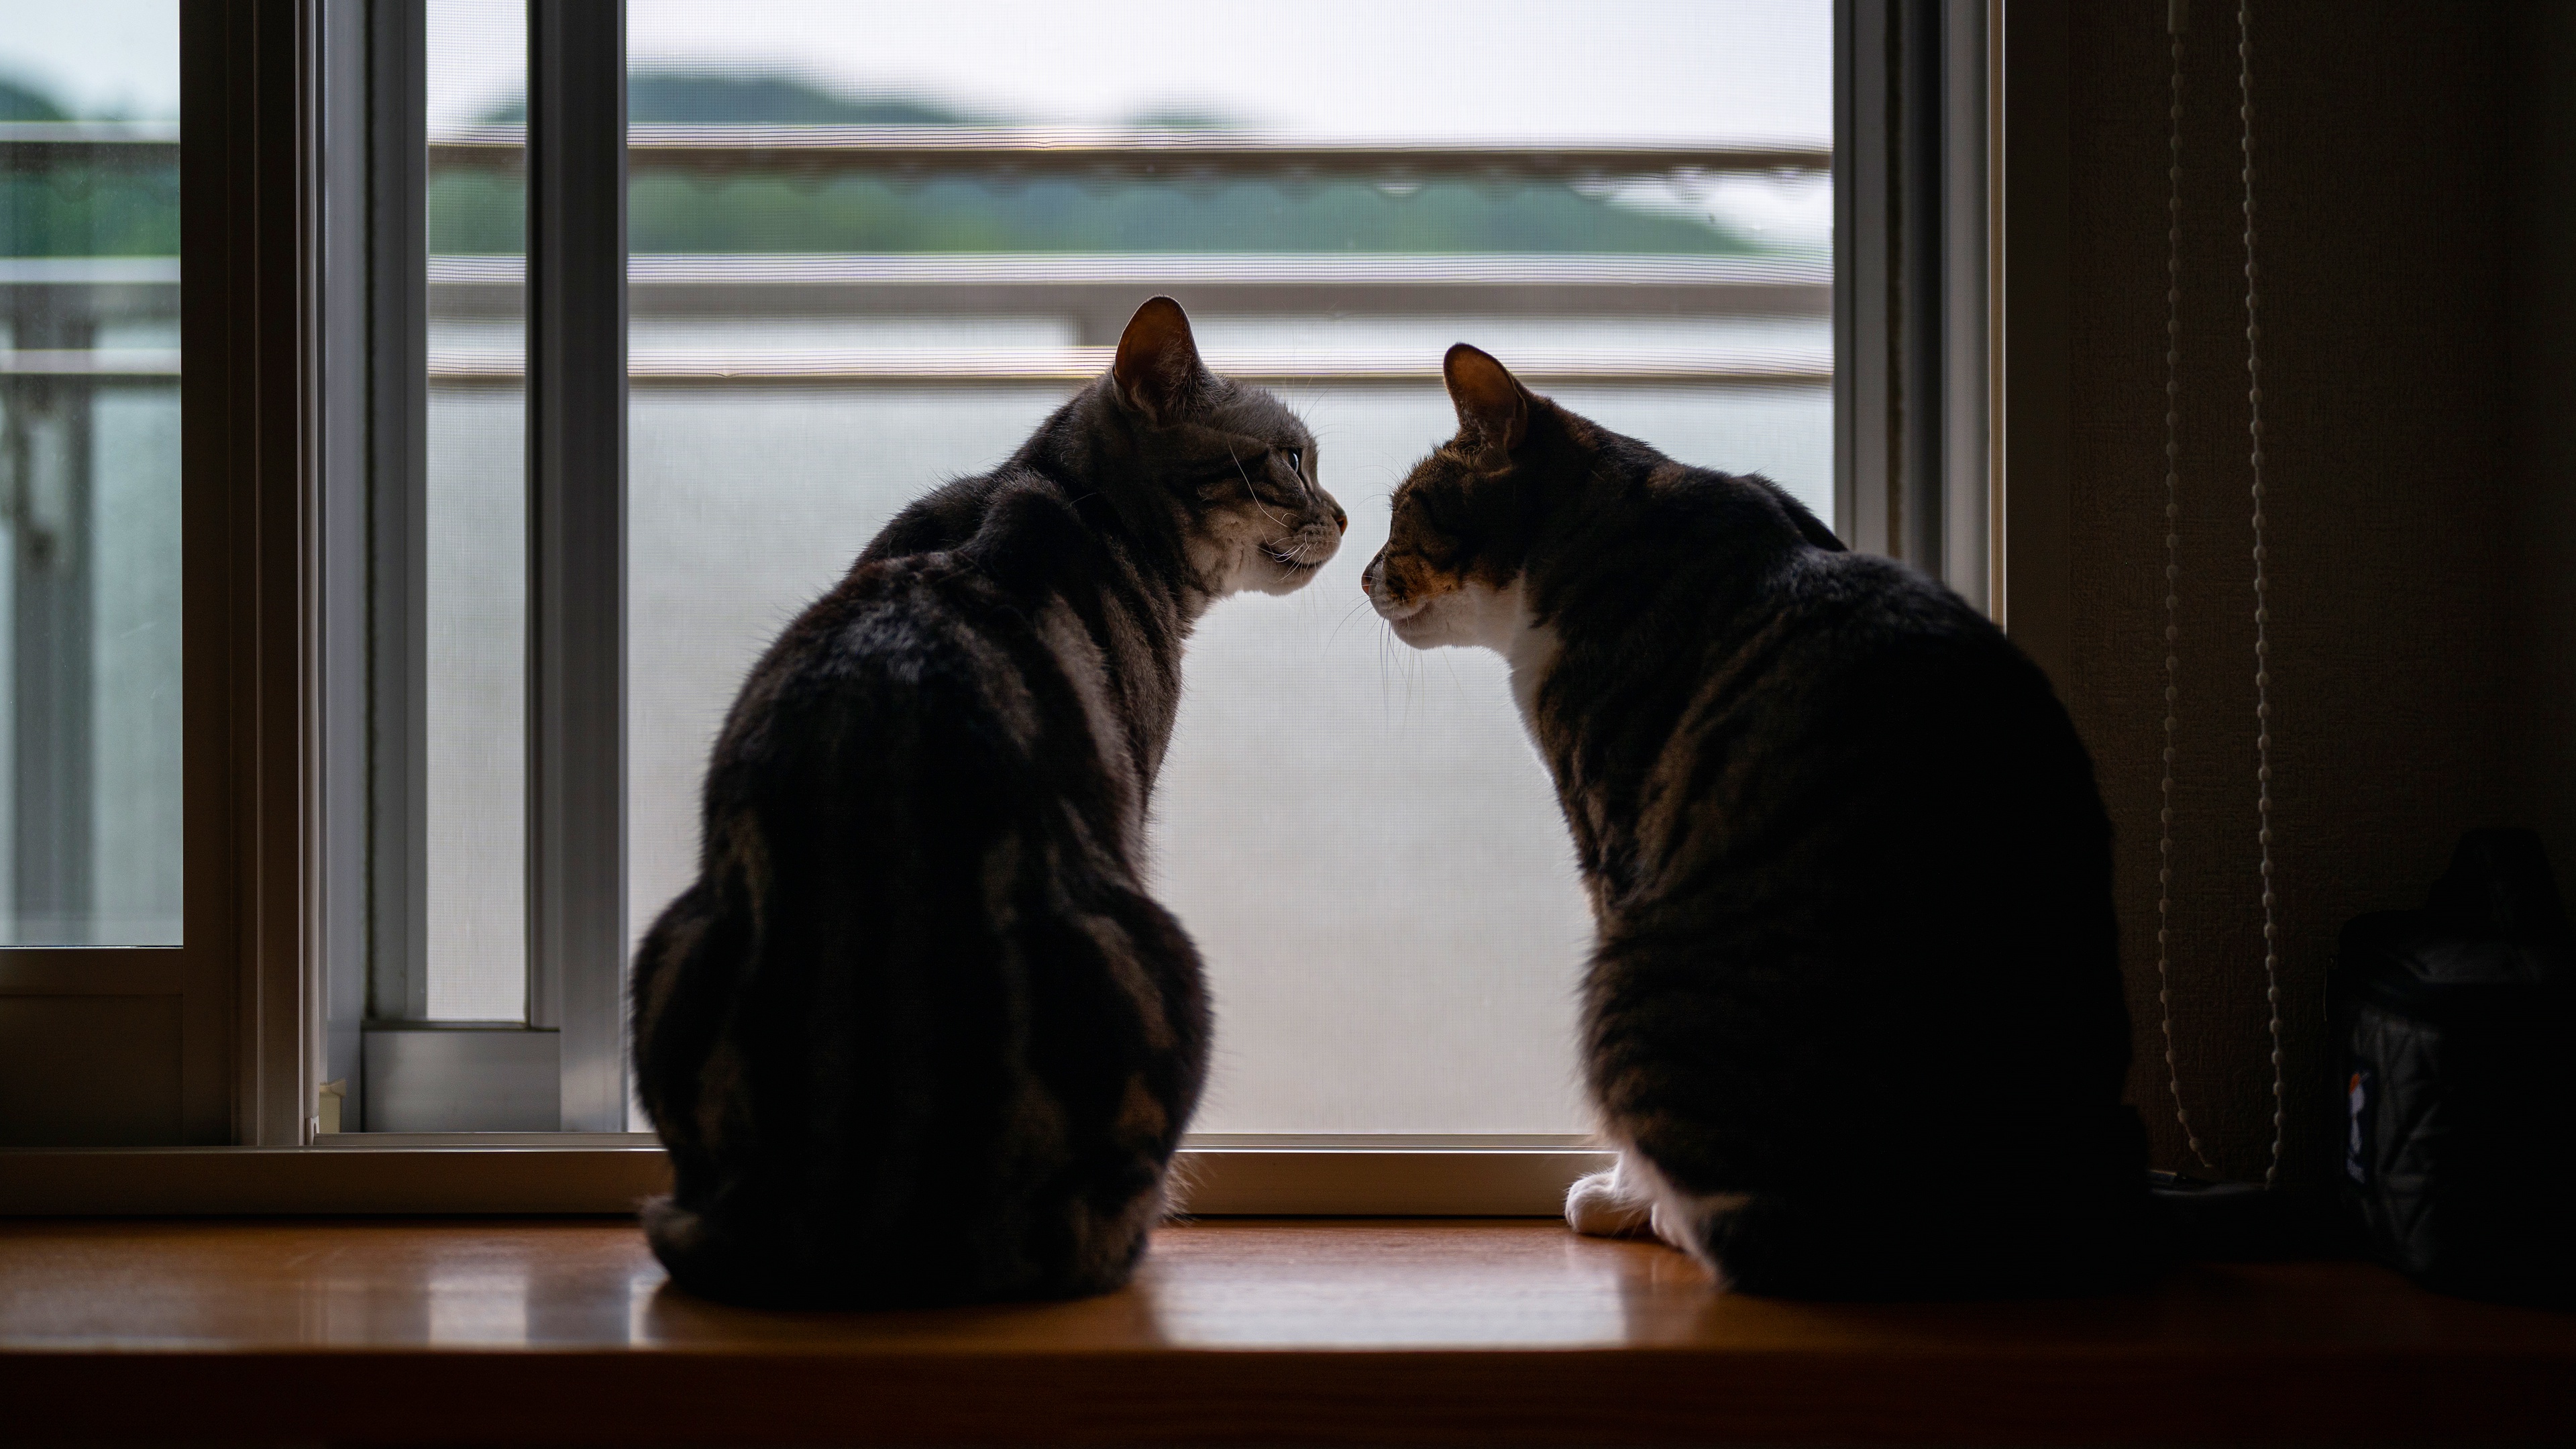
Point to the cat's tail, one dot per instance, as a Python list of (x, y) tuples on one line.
[(754, 1259), (742, 1254), (2081, 1225), (716, 1259), (727, 1259)]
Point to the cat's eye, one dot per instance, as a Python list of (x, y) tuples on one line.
[(1444, 515)]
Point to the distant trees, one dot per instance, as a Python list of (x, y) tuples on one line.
[(26, 103), (859, 212), (129, 207), (58, 208)]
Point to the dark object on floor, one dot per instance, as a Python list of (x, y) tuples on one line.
[(2220, 1221), (2243, 1222), (2457, 1029)]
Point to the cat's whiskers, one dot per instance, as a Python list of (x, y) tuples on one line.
[(1384, 638), (1253, 493), (1345, 620)]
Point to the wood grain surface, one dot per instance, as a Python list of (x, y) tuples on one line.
[(1245, 1331)]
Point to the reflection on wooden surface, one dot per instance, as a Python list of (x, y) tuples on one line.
[(1392, 1331)]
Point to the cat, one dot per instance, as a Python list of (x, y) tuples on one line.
[(917, 1033), (1853, 1017)]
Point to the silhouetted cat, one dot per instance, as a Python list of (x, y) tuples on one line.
[(1854, 1014), (918, 1034)]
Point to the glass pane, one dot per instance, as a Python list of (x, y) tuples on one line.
[(91, 852), (477, 577), (932, 312)]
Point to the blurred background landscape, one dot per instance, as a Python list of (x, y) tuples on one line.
[(1358, 835)]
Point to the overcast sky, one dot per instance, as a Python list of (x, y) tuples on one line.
[(1664, 69), (1667, 69), (100, 58)]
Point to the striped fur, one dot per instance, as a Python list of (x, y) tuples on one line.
[(1854, 1009), (917, 1033)]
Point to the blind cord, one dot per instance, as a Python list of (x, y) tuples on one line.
[(2176, 16)]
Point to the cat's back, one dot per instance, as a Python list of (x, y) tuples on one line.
[(1866, 764), (1894, 654), (1717, 625), (1855, 698), (1816, 745), (921, 643)]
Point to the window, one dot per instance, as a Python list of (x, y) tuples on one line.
[(89, 480), (111, 994), (452, 663), (471, 940), (870, 249), (1637, 215)]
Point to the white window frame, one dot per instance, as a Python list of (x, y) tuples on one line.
[(1974, 474)]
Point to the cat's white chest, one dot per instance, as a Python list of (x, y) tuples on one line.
[(1530, 649)]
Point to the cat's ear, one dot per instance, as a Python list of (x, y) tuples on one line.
[(1493, 407), (1810, 527), (1158, 372)]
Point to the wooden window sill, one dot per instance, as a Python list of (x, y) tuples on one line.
[(517, 1173), (1242, 1331)]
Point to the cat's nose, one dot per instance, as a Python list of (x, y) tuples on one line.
[(1341, 520)]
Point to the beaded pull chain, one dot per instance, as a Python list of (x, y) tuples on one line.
[(2175, 16), (2262, 610)]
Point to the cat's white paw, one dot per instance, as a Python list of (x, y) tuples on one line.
[(1600, 1206), (1675, 1221)]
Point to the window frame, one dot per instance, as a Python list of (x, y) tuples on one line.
[(245, 219), (556, 1066), (274, 425)]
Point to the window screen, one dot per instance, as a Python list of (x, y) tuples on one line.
[(90, 801), (474, 754), (887, 280)]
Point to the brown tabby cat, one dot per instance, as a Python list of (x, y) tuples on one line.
[(1854, 1015), (918, 1034)]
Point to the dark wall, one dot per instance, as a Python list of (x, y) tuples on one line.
[(2540, 191), (2400, 628)]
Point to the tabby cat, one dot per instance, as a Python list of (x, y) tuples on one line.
[(1853, 1015), (918, 1034)]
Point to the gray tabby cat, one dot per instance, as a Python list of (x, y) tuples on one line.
[(1854, 1013), (918, 1034)]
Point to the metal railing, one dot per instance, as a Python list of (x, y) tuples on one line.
[(1094, 294), (1097, 292), (1142, 151), (1009, 150)]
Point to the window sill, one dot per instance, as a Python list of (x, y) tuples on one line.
[(1247, 1331), (609, 1172)]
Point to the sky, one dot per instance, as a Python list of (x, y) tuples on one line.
[(1644, 69), (102, 59), (1659, 69)]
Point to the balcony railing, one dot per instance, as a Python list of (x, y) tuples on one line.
[(1028, 149), (1093, 294), (1061, 150)]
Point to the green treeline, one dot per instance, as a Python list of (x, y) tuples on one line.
[(128, 209), (132, 209), (847, 212), (84, 211), (482, 212)]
